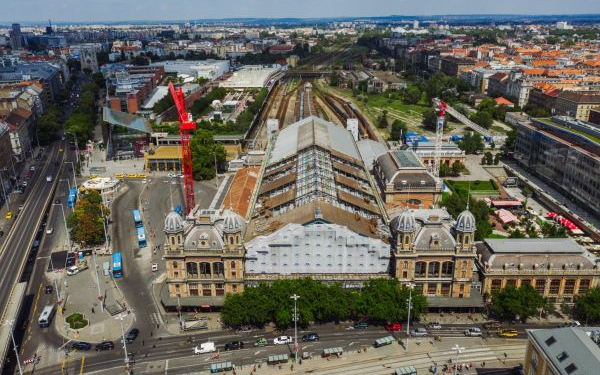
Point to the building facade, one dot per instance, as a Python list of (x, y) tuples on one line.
[(558, 268), (204, 258), (577, 104), (437, 255)]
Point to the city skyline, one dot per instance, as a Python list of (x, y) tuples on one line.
[(128, 10)]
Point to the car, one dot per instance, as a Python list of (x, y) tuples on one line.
[(393, 327), (261, 342), (234, 345), (171, 175), (22, 190), (36, 244), (8, 215), (492, 325), (73, 270), (141, 175), (282, 340), (21, 207), (312, 336), (508, 333), (49, 230), (48, 289), (473, 332), (361, 325), (154, 267), (144, 181), (105, 345), (60, 150), (57, 201), (433, 325), (419, 332), (131, 175), (29, 175), (32, 169), (1, 233), (82, 345), (119, 175), (180, 175), (24, 184), (207, 347), (132, 335)]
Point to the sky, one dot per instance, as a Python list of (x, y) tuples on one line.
[(121, 10)]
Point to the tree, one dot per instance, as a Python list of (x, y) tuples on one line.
[(398, 129), (511, 302), (509, 143), (471, 143), (412, 95), (204, 148), (334, 80), (496, 159), (489, 158), (587, 306), (482, 118), (457, 202), (85, 223), (456, 168), (430, 119), (382, 122)]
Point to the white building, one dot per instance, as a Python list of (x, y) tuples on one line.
[(210, 69), (250, 76)]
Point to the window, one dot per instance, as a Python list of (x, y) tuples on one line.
[(174, 264), (433, 269), (206, 290), (570, 368), (219, 289), (540, 286), (233, 269), (554, 286), (447, 269), (463, 270), (525, 282), (234, 288), (420, 269), (512, 282), (562, 356), (172, 240), (550, 340), (192, 270), (218, 269), (569, 286), (445, 290), (584, 285), (431, 288), (496, 284), (205, 269), (193, 290)]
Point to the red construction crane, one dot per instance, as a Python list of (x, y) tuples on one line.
[(186, 124)]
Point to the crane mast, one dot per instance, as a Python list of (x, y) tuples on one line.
[(186, 125), (439, 131)]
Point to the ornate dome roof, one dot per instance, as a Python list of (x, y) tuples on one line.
[(173, 223), (406, 222), (232, 222), (465, 222)]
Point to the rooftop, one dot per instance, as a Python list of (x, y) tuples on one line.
[(165, 152), (240, 192), (534, 245)]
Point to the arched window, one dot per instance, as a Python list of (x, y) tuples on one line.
[(447, 269), (218, 268), (205, 269), (192, 269), (420, 269), (231, 240), (433, 269), (172, 240)]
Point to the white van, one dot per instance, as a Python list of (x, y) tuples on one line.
[(207, 347), (46, 316)]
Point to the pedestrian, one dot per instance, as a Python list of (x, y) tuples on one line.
[(151, 333), (93, 312), (157, 326), (143, 342)]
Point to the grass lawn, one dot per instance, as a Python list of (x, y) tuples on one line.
[(471, 185), (76, 321)]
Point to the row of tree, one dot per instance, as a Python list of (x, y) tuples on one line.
[(379, 301), (456, 203), (85, 223), (82, 119)]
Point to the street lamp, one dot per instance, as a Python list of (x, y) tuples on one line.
[(295, 298), (458, 351), (120, 318), (73, 169), (65, 222), (12, 336), (410, 287)]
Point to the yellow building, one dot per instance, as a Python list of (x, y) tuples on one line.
[(204, 258), (163, 158), (558, 268), (563, 351), (437, 256)]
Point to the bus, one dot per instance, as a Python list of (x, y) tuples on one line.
[(72, 198), (137, 218), (141, 237), (46, 316), (117, 265)]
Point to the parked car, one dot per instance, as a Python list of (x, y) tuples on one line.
[(473, 332), (207, 347), (434, 325), (393, 327), (32, 169), (57, 201), (82, 345), (132, 334), (234, 345), (361, 325), (261, 342), (419, 332), (312, 336), (281, 340), (49, 230), (105, 345), (24, 183), (48, 289), (8, 215), (73, 270), (1, 233), (508, 333)]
